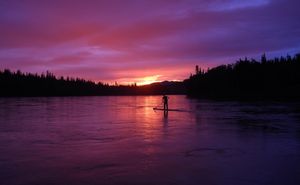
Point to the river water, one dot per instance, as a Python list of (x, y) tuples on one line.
[(122, 140)]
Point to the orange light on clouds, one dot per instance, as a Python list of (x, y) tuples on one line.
[(147, 80), (148, 76)]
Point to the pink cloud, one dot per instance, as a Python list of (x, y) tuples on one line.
[(117, 40)]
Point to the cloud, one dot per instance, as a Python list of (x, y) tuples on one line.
[(114, 40)]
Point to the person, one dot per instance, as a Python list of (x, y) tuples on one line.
[(165, 101)]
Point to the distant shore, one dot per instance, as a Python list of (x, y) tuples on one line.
[(246, 79), (18, 84)]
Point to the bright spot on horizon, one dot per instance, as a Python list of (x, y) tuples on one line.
[(148, 80)]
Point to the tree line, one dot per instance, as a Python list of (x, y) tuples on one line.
[(27, 84), (277, 78), (244, 79)]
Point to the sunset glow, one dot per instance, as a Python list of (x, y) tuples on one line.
[(142, 41), (149, 92), (148, 80)]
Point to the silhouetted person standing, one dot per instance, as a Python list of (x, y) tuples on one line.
[(165, 101)]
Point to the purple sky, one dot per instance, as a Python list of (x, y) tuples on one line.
[(142, 41)]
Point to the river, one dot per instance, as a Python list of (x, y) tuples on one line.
[(122, 140)]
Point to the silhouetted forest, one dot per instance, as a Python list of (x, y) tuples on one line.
[(21, 84), (277, 78)]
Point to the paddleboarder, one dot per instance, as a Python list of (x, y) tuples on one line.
[(165, 100)]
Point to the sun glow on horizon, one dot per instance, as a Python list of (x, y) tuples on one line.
[(139, 81), (148, 80)]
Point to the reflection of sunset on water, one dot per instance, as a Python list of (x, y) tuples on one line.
[(150, 123), (121, 140)]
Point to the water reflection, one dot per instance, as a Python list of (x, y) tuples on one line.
[(121, 140)]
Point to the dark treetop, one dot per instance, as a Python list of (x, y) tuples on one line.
[(20, 84), (277, 78)]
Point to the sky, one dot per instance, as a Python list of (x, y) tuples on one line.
[(142, 41)]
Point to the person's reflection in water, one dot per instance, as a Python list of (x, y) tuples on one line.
[(166, 112), (165, 100), (165, 122)]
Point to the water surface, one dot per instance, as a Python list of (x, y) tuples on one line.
[(121, 140)]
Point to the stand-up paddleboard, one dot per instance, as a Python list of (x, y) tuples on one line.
[(162, 109)]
